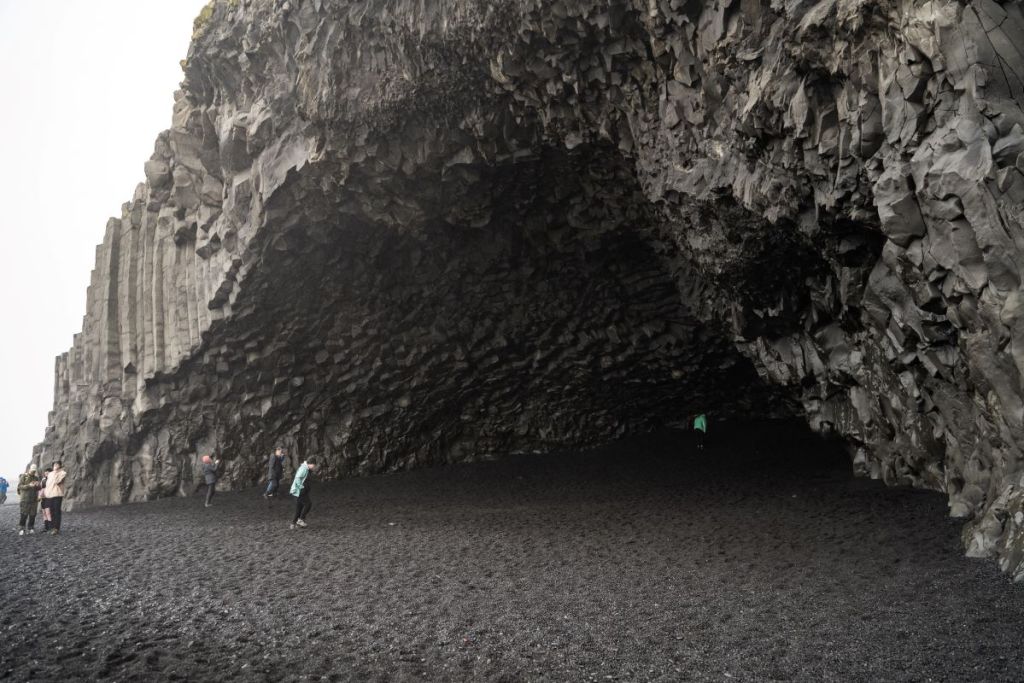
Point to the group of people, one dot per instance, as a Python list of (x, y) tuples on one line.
[(47, 491), (301, 487), (41, 492)]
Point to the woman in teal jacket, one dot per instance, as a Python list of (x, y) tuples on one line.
[(301, 486), (700, 427)]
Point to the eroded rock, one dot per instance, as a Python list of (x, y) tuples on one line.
[(395, 233)]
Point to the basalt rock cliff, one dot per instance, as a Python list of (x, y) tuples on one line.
[(402, 232)]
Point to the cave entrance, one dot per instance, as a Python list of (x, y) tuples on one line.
[(534, 307)]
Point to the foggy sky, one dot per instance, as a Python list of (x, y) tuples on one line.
[(85, 87)]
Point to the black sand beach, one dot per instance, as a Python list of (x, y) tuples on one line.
[(758, 559)]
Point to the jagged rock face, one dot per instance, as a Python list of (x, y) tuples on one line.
[(391, 233)]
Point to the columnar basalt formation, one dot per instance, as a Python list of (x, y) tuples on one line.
[(391, 232)]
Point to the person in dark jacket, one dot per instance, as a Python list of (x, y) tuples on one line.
[(301, 487), (28, 498), (210, 476), (275, 470)]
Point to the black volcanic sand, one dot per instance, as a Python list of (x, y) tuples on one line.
[(758, 559)]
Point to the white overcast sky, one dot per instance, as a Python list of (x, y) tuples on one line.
[(85, 86)]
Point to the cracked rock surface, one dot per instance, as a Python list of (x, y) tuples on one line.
[(394, 233)]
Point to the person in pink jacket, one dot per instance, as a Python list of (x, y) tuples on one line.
[(55, 495)]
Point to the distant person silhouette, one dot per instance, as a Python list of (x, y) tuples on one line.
[(55, 495), (301, 486), (28, 498), (700, 428), (3, 490), (275, 470), (210, 476)]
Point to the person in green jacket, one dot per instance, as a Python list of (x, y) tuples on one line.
[(700, 427), (301, 486), (28, 497)]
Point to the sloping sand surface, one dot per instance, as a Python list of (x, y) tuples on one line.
[(757, 559)]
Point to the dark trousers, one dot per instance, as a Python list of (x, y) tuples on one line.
[(211, 488), (302, 507), (55, 512), (30, 516), (272, 486)]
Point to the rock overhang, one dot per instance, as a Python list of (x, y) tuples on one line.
[(827, 195)]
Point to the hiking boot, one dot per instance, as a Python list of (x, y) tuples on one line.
[(21, 532), (54, 532), (31, 531), (302, 523)]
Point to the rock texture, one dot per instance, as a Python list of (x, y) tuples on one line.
[(392, 232)]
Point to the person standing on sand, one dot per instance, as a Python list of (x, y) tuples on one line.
[(55, 495), (700, 426), (28, 497), (275, 470), (43, 505), (3, 490), (300, 489), (210, 475)]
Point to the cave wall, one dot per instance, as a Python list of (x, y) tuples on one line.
[(393, 233)]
